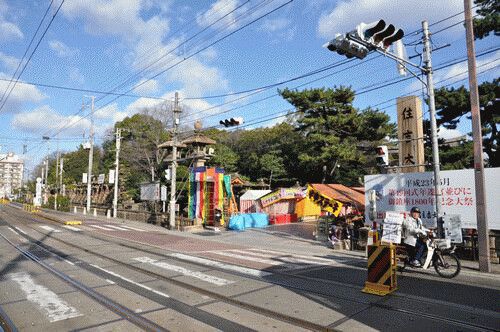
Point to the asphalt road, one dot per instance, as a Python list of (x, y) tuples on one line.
[(111, 276)]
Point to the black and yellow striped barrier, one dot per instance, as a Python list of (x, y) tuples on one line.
[(31, 208), (382, 267)]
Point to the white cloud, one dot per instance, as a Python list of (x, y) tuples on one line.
[(9, 62), (8, 30), (449, 133), (75, 75), (197, 78), (275, 24), (46, 119), (147, 87), (406, 14), (22, 94), (459, 71), (140, 104), (62, 50), (218, 9)]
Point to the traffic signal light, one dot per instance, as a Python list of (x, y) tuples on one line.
[(378, 33), (382, 155), (231, 122), (344, 46)]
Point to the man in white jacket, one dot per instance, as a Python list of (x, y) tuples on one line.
[(413, 230)]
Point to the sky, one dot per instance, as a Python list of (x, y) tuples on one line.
[(135, 54)]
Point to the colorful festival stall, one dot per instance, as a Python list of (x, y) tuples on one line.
[(208, 188)]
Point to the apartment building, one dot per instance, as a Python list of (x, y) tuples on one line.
[(11, 174)]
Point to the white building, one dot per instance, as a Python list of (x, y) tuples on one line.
[(11, 174)]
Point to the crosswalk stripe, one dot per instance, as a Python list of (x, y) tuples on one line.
[(133, 228), (248, 258), (50, 229), (20, 230), (117, 227), (319, 259), (100, 227), (212, 263), (72, 228), (287, 259), (179, 269)]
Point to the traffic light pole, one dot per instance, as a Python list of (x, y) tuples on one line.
[(434, 136)]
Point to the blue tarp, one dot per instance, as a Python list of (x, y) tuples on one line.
[(248, 220)]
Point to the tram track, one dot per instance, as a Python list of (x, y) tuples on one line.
[(244, 305)]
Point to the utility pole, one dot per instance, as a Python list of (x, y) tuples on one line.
[(432, 114), (91, 156), (56, 185), (482, 219), (173, 179), (61, 167), (117, 166)]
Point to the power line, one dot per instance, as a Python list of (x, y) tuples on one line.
[(31, 55), (27, 49)]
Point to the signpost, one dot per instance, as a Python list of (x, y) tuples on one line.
[(100, 179), (410, 134), (150, 191)]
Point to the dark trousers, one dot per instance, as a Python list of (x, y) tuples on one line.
[(417, 251)]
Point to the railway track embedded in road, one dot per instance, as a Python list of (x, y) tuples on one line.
[(263, 311)]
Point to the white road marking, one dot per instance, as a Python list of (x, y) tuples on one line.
[(135, 229), (13, 231), (294, 259), (72, 228), (100, 227), (179, 269), (129, 280), (320, 259), (50, 229), (208, 262), (69, 262), (248, 258), (117, 227), (20, 230), (110, 282), (56, 308)]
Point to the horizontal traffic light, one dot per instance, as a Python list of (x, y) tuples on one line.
[(231, 122)]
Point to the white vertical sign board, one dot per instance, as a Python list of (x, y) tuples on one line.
[(111, 177), (400, 192), (163, 193), (453, 228), (84, 178), (100, 179), (393, 224)]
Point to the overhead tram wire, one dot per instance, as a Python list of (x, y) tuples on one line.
[(148, 55), (184, 59), (277, 115), (123, 94), (27, 49), (136, 75), (167, 69), (382, 86), (31, 55), (61, 129)]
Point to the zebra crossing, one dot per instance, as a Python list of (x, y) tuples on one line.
[(259, 259), (113, 228)]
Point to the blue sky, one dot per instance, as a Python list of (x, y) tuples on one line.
[(98, 45)]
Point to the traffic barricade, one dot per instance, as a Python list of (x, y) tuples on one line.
[(382, 266)]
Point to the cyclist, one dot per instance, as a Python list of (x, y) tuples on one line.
[(413, 230)]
